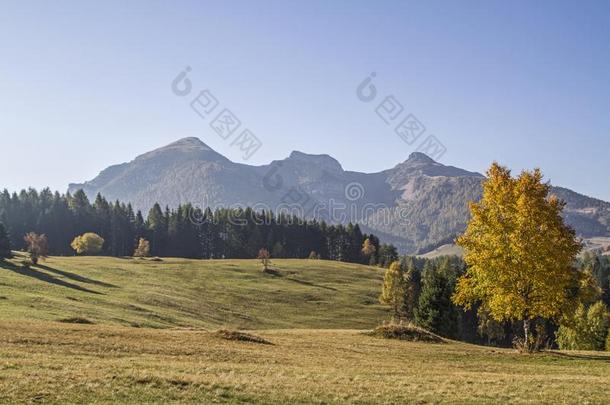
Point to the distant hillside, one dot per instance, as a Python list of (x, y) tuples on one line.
[(193, 293), (598, 244), (444, 250), (416, 204)]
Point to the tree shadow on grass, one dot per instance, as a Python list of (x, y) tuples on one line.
[(76, 277), (578, 356), (312, 284), (277, 273), (47, 278)]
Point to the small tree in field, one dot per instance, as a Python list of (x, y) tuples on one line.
[(89, 244), (313, 255), (143, 249), (5, 243), (265, 258), (588, 329), (394, 289), (368, 249), (36, 246), (519, 252)]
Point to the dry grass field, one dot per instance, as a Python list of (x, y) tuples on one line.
[(152, 340), (59, 363), (194, 293)]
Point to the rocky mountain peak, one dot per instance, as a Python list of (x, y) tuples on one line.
[(184, 148), (325, 162), (187, 143), (419, 157), (416, 204)]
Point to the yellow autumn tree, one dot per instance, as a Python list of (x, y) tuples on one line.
[(89, 243), (368, 248), (519, 252), (143, 248), (394, 289)]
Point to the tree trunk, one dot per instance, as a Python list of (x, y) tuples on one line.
[(526, 333)]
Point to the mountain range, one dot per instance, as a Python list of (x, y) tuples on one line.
[(418, 205)]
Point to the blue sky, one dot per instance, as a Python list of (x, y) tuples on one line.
[(84, 85)]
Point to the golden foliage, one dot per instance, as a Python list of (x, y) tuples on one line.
[(368, 248), (393, 291), (519, 251), (88, 243), (143, 249)]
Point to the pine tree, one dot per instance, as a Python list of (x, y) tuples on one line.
[(387, 255), (435, 311), (158, 229), (5, 243)]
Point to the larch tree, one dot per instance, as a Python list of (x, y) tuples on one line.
[(368, 249), (265, 258), (393, 290), (143, 248), (519, 252), (37, 246)]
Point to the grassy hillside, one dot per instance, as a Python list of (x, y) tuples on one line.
[(49, 362), (193, 293), (149, 342), (596, 243), (445, 250)]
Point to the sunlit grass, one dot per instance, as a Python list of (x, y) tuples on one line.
[(107, 330)]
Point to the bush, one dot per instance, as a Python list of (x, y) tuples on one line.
[(241, 336), (89, 243), (588, 330), (405, 331)]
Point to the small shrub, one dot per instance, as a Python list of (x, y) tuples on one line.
[(240, 336), (79, 320), (265, 258), (405, 331), (88, 243)]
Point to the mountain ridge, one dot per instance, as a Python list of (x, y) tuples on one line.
[(415, 204)]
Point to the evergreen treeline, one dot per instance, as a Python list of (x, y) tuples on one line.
[(183, 232), (430, 283)]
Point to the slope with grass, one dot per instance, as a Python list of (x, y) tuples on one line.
[(59, 363), (193, 293), (107, 330)]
